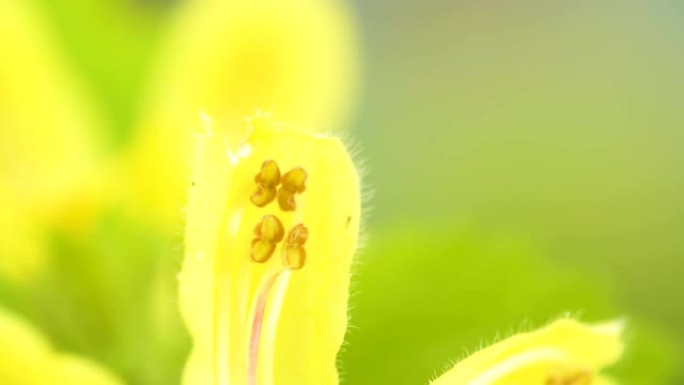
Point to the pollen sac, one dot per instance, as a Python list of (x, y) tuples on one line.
[(294, 254), (268, 233), (293, 182), (262, 250), (577, 378), (270, 229), (267, 181)]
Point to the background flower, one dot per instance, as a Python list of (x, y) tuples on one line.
[(49, 148)]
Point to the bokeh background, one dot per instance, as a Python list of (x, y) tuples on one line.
[(525, 160)]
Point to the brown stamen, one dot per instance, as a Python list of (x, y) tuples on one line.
[(293, 182), (269, 231), (267, 181), (294, 253), (581, 377)]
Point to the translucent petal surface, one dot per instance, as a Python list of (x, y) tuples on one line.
[(305, 315), (563, 352)]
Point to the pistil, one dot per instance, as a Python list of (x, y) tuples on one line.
[(257, 323)]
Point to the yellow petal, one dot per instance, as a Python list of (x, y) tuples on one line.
[(48, 133), (27, 359), (226, 58), (222, 285), (565, 352)]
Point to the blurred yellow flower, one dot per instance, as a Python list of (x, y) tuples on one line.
[(49, 142), (27, 359), (563, 353), (272, 226), (225, 58), (268, 255)]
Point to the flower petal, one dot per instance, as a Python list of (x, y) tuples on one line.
[(277, 317), (563, 352)]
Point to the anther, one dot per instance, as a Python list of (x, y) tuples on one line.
[(293, 182), (268, 233), (294, 254), (577, 378), (267, 181)]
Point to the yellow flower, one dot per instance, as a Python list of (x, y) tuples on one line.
[(563, 353), (225, 58), (272, 226), (27, 359), (48, 140)]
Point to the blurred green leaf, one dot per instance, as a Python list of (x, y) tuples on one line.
[(111, 44), (427, 295), (111, 294)]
